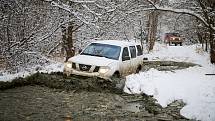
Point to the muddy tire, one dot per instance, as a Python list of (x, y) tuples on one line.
[(118, 81), (116, 75)]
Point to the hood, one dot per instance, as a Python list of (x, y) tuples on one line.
[(91, 60)]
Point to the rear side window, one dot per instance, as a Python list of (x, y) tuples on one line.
[(139, 50), (133, 51), (125, 54)]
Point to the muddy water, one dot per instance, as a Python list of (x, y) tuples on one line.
[(53, 97), (166, 65)]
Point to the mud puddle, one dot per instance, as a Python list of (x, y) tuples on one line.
[(166, 65), (56, 97)]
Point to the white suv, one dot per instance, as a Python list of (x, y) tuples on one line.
[(105, 59)]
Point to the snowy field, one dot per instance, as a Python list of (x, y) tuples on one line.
[(191, 85)]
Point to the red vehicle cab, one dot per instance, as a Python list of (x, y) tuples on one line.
[(173, 38)]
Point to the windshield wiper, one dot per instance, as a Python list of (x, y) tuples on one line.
[(91, 54), (99, 55), (96, 55), (87, 54)]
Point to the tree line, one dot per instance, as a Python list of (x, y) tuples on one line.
[(33, 30)]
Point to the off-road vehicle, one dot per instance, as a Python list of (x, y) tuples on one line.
[(105, 59)]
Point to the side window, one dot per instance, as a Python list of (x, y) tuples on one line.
[(125, 54), (133, 51), (139, 50)]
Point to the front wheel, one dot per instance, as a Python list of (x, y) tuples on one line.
[(116, 75), (118, 80)]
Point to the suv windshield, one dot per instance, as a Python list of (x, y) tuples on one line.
[(102, 50)]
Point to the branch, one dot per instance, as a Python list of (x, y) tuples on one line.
[(204, 11), (67, 8), (184, 11), (23, 41), (77, 27), (181, 11), (47, 36), (75, 1), (152, 3), (55, 47)]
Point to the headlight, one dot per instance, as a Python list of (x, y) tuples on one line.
[(104, 70), (68, 65)]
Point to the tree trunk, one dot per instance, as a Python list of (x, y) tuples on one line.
[(212, 45), (152, 27), (71, 50), (67, 39), (206, 42)]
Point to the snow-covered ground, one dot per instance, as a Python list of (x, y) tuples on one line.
[(52, 67), (191, 85)]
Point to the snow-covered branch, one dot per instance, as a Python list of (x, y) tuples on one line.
[(89, 10), (83, 1), (75, 14), (76, 1), (181, 11)]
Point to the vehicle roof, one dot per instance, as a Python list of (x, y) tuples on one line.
[(116, 42)]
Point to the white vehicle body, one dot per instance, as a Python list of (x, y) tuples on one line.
[(127, 59)]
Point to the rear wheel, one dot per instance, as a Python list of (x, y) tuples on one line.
[(180, 43)]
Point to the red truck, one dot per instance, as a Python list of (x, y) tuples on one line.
[(173, 38)]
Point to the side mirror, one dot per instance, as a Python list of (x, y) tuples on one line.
[(124, 58), (79, 51)]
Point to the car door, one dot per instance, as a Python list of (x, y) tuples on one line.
[(126, 62), (134, 60)]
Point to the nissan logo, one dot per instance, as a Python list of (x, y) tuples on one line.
[(84, 67)]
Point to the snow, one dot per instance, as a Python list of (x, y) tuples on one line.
[(53, 67), (121, 43), (191, 85)]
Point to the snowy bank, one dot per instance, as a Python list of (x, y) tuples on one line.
[(191, 85), (52, 67)]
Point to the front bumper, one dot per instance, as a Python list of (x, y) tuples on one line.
[(69, 72)]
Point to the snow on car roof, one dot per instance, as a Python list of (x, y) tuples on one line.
[(116, 42)]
